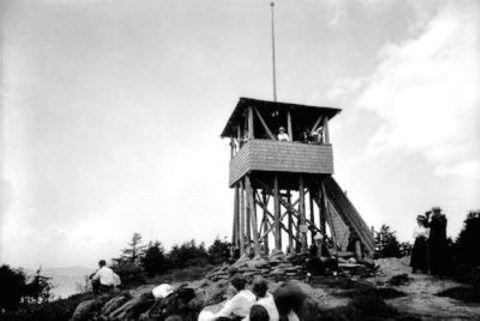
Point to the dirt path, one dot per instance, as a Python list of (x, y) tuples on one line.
[(421, 299)]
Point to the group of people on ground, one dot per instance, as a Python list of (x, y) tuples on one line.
[(430, 249), (253, 305)]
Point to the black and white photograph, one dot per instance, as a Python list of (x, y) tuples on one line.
[(255, 160)]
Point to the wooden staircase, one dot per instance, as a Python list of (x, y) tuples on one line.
[(349, 214)]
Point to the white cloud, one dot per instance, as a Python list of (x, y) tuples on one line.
[(426, 91)]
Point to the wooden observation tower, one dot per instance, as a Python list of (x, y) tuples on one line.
[(285, 194)]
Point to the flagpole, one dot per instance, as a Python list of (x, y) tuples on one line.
[(272, 5)]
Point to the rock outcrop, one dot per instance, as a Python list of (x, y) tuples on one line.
[(189, 298)]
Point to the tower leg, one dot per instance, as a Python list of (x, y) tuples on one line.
[(242, 219), (265, 221), (322, 209), (276, 202), (290, 224), (303, 231), (312, 217), (235, 237), (248, 213), (252, 214)]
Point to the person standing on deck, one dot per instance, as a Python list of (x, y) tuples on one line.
[(282, 135)]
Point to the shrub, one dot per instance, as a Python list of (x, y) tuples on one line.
[(219, 251), (13, 287), (386, 243), (130, 274), (463, 293), (154, 261), (187, 254), (58, 310), (466, 246)]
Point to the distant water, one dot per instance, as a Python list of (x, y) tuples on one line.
[(67, 281)]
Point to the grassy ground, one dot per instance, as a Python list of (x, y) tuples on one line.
[(182, 275)]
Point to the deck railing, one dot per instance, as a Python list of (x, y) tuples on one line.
[(276, 156)]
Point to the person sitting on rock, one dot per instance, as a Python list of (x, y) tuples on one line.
[(264, 299), (104, 279), (236, 308)]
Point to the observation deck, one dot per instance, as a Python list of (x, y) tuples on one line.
[(276, 156)]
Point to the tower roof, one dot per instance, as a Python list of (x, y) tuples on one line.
[(298, 111)]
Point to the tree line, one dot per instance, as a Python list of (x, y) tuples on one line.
[(139, 260)]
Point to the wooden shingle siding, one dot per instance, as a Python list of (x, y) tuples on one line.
[(275, 156)]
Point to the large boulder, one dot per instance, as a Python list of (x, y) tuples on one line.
[(131, 309), (113, 304), (85, 310), (183, 302)]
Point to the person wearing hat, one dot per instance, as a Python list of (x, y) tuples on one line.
[(437, 242), (282, 135), (419, 259)]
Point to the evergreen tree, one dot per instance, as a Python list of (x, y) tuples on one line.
[(188, 254), (386, 243), (466, 245), (12, 287), (154, 261), (129, 265), (135, 250), (38, 290), (219, 251)]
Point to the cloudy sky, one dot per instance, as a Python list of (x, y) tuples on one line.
[(111, 112)]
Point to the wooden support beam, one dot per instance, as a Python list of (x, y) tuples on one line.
[(312, 218), (235, 217), (282, 226), (289, 205), (253, 214), (317, 122), (242, 218), (332, 227), (289, 125), (290, 222), (248, 225), (265, 218), (276, 204), (303, 225), (232, 147), (251, 131), (326, 132), (269, 132), (322, 208), (239, 137)]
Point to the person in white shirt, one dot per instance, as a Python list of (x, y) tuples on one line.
[(265, 299), (419, 258), (282, 135), (104, 279), (236, 308)]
